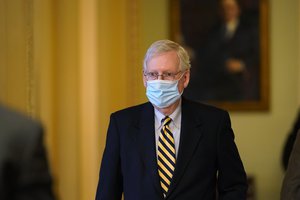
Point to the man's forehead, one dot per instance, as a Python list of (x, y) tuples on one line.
[(167, 58)]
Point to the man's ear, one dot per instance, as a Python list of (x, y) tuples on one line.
[(186, 78)]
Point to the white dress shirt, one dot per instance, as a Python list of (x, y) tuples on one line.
[(175, 126)]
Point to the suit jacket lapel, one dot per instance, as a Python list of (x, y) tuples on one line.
[(189, 138), (146, 143)]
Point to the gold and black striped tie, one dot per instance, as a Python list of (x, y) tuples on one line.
[(166, 155)]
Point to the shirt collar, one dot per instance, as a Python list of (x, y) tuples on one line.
[(175, 116)]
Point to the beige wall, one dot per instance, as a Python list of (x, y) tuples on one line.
[(71, 63)]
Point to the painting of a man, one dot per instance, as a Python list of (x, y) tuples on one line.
[(226, 56)]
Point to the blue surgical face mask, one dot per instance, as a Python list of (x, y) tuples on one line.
[(162, 93)]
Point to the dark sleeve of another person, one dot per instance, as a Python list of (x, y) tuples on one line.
[(289, 143), (34, 181), (291, 184)]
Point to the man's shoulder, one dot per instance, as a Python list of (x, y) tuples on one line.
[(202, 107), (11, 119), (204, 112), (134, 109)]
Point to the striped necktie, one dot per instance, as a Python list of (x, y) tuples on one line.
[(166, 155)]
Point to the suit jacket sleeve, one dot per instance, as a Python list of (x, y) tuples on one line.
[(33, 179), (110, 180), (291, 183), (232, 181)]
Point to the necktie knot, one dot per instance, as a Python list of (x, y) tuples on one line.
[(166, 121)]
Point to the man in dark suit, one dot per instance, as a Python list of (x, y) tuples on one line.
[(24, 172), (170, 147)]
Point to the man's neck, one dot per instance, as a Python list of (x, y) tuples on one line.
[(170, 109)]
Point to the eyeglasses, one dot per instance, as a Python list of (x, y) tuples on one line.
[(165, 76)]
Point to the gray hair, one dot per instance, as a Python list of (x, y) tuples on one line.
[(163, 46)]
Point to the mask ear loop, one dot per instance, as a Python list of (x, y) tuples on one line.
[(181, 78), (182, 75)]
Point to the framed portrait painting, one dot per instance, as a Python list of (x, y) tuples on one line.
[(227, 41)]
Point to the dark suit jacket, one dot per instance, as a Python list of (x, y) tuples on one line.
[(24, 173), (207, 161), (291, 183)]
